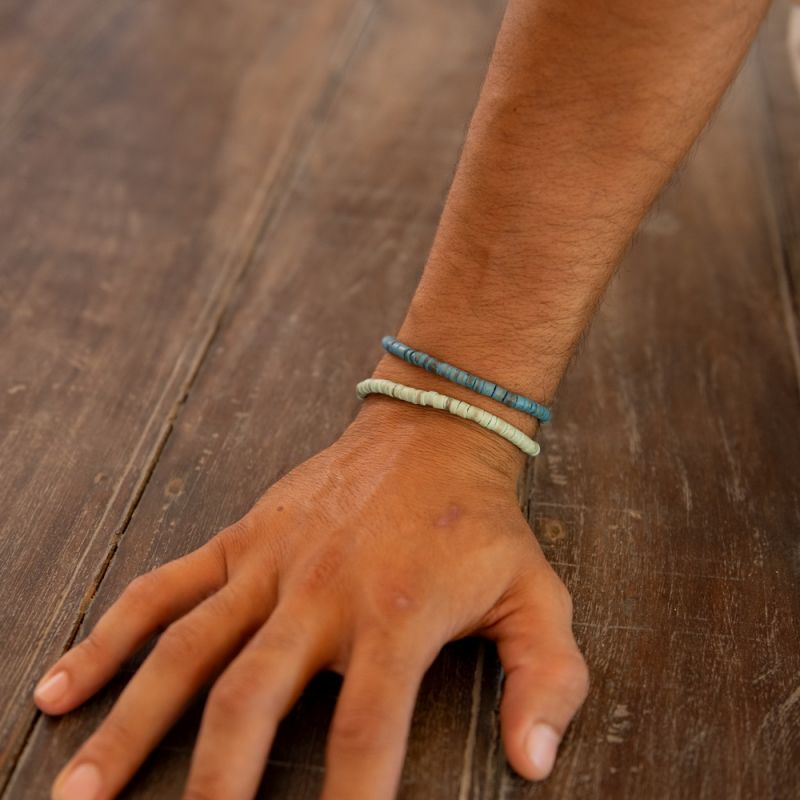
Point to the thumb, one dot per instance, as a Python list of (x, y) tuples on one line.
[(546, 678)]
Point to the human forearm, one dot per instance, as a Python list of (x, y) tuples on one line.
[(585, 113)]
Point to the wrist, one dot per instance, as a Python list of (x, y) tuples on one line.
[(439, 433), (512, 341)]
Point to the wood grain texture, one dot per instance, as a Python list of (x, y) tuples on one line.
[(668, 492), (129, 204), (39, 39), (668, 497)]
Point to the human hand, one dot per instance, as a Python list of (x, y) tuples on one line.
[(366, 559)]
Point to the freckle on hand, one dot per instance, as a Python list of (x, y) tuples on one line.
[(450, 517)]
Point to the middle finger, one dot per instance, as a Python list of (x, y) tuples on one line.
[(250, 698)]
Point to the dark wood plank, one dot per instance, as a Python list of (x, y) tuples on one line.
[(352, 237), (39, 39), (668, 498), (129, 204)]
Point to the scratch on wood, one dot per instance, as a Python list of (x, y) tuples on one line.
[(775, 718)]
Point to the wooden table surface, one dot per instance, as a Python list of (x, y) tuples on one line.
[(195, 198)]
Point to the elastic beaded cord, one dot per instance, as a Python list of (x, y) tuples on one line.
[(466, 379), (459, 408)]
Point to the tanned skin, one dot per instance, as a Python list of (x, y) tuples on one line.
[(406, 533)]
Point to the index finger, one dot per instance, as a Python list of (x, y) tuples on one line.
[(149, 603)]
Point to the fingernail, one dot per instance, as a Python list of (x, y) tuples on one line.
[(542, 744), (83, 783), (52, 688)]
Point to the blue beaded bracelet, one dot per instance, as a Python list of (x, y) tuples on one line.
[(466, 379)]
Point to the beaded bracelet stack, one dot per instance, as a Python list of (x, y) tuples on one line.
[(454, 406)]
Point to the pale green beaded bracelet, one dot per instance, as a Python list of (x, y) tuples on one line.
[(421, 397)]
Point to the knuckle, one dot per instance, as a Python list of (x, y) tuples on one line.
[(397, 606), (280, 637), (236, 533), (572, 675), (113, 737), (231, 543), (94, 646), (142, 589), (401, 654), (322, 571), (181, 642), (220, 553), (231, 696), (563, 598), (403, 660), (398, 602), (358, 730), (229, 602), (549, 587)]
